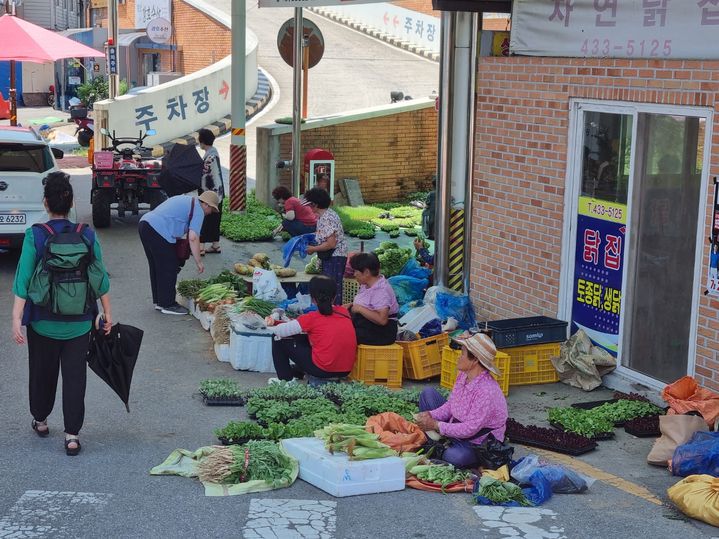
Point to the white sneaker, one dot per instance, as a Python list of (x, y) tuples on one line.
[(273, 380), (157, 307)]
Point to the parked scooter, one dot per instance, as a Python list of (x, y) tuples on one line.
[(85, 126)]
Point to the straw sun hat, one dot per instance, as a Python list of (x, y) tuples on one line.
[(481, 347), (211, 199)]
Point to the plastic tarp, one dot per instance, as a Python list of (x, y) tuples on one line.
[(700, 455), (395, 431), (298, 245), (184, 463)]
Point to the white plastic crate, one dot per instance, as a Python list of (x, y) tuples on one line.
[(251, 350), (340, 477), (222, 351)]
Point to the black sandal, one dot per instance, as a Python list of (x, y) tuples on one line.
[(69, 451), (41, 433)]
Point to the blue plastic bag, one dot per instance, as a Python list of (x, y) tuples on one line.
[(700, 455), (413, 269), (538, 492), (407, 288), (407, 307), (457, 307), (298, 245), (562, 480), (431, 328)]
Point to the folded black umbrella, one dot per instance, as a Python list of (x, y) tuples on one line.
[(181, 170), (112, 357)]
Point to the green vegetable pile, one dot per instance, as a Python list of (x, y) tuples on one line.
[(230, 278), (216, 293), (189, 288), (220, 388), (256, 224), (393, 260), (252, 304), (394, 233), (355, 441), (255, 460), (440, 474), (501, 491), (601, 419)]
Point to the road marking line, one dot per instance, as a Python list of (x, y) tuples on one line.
[(49, 513), (290, 519), (599, 475)]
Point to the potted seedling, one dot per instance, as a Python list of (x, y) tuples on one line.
[(239, 432), (221, 392)]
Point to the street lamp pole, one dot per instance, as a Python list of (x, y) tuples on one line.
[(112, 32), (238, 148), (297, 102)]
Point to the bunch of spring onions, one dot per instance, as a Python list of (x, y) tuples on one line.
[(255, 460), (355, 441), (216, 293)]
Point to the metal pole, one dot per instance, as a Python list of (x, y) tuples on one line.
[(444, 177), (112, 32), (471, 110), (305, 75), (297, 103), (13, 94), (238, 148)]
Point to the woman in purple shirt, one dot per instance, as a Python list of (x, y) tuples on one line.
[(476, 408), (374, 309)]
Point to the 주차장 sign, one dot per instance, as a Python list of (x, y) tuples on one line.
[(313, 3), (658, 29)]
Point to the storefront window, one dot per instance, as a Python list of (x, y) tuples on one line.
[(607, 149)]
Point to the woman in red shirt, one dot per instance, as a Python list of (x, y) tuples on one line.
[(322, 344), (297, 216)]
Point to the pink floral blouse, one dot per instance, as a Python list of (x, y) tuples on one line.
[(471, 407)]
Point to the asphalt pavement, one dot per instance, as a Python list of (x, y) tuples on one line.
[(107, 491)]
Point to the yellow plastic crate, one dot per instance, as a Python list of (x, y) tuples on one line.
[(378, 365), (532, 364), (423, 358), (449, 369), (350, 287)]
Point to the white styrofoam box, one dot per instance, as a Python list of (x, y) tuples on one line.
[(196, 310), (206, 319), (183, 301), (222, 351), (338, 475), (251, 350)]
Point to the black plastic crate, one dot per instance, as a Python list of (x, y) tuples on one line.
[(224, 401), (527, 331), (557, 448)]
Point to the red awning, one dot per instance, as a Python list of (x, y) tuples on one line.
[(26, 42)]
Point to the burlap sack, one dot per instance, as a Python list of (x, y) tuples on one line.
[(676, 430)]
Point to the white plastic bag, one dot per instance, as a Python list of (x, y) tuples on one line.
[(416, 318), (266, 285)]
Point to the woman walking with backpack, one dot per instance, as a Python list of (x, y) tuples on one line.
[(58, 330)]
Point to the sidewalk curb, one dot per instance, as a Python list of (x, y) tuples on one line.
[(378, 34), (220, 127)]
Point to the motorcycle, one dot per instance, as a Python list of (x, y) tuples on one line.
[(85, 125), (122, 175)]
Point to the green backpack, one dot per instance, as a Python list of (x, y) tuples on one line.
[(66, 278)]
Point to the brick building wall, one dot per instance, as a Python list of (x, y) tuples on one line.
[(520, 167), (392, 155), (200, 39), (423, 6)]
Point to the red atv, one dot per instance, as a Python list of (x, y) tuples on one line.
[(122, 175)]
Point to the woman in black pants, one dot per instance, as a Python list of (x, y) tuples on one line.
[(211, 181), (56, 342), (321, 343)]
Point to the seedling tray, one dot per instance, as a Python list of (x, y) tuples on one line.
[(598, 437), (574, 451), (639, 433), (224, 401)]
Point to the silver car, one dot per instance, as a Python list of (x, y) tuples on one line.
[(25, 159)]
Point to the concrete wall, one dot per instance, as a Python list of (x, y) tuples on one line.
[(392, 149), (520, 172)]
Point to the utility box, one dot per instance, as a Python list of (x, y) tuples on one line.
[(317, 163)]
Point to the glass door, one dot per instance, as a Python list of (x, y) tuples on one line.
[(601, 218), (661, 276)]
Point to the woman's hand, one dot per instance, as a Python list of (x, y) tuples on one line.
[(107, 324), (426, 422), (311, 249), (200, 267), (17, 332)]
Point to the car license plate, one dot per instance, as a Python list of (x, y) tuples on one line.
[(12, 218)]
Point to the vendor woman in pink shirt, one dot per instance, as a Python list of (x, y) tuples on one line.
[(476, 408), (374, 309)]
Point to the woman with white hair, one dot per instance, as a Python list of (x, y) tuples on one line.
[(476, 408)]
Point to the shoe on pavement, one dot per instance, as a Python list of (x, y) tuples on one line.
[(273, 380), (157, 307), (175, 309)]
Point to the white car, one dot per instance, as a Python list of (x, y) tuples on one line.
[(25, 159)]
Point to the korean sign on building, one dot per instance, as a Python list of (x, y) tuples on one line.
[(659, 29), (149, 10), (599, 258)]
